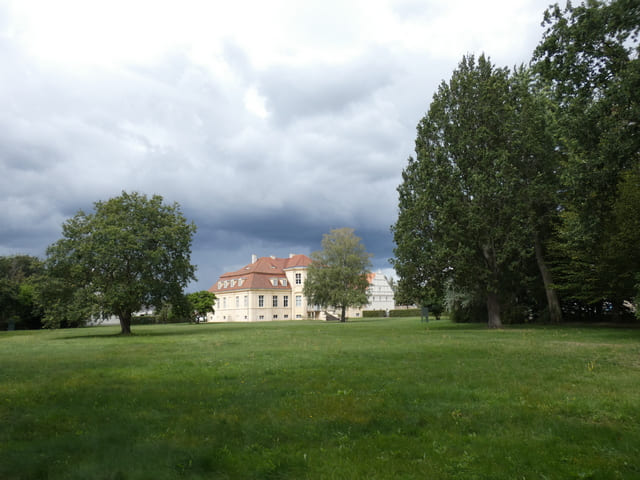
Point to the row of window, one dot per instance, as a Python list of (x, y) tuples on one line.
[(274, 282), (231, 283), (261, 317), (285, 300), (274, 301)]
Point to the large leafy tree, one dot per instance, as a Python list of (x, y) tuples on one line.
[(132, 252), (589, 59), (337, 275), (475, 199)]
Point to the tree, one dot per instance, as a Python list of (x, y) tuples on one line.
[(19, 277), (589, 59), (337, 275), (132, 252), (200, 303), (470, 198)]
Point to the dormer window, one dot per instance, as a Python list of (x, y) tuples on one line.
[(219, 285), (226, 283), (283, 282), (240, 281), (274, 282), (233, 283)]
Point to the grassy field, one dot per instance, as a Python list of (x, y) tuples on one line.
[(379, 398)]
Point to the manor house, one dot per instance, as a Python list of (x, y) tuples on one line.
[(270, 288)]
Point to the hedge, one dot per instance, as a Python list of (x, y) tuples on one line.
[(409, 312)]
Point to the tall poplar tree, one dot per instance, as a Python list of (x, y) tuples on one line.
[(466, 217)]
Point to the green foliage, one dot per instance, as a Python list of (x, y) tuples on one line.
[(19, 301), (281, 400), (405, 312), (200, 303), (337, 275), (479, 191), (133, 252), (374, 313), (589, 59)]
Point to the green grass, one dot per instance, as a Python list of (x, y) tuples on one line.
[(376, 398)]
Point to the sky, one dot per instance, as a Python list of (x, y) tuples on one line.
[(269, 123)]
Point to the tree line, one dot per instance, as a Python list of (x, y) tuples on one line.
[(522, 201)]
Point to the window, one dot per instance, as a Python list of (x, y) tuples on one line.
[(275, 300), (286, 316), (224, 302), (240, 281), (274, 282), (298, 300), (261, 300), (298, 316), (237, 302), (283, 282), (275, 317), (285, 301), (246, 300), (233, 283), (298, 279), (226, 283), (261, 317), (219, 285)]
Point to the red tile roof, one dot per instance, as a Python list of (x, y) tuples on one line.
[(258, 275)]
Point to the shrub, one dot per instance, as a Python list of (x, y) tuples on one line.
[(373, 313)]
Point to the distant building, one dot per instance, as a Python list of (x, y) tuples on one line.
[(380, 293), (270, 288)]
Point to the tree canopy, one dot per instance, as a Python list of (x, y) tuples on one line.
[(337, 275), (132, 252), (200, 303), (20, 276), (589, 61), (470, 204), (523, 191)]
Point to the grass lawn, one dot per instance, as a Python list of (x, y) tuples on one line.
[(378, 398)]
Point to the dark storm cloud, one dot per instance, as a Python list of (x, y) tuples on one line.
[(294, 92)]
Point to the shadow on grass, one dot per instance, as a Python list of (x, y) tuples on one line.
[(139, 331)]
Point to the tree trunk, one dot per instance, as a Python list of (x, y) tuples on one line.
[(343, 318), (125, 323), (555, 313), (493, 303), (493, 309)]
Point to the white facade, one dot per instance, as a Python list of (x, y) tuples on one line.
[(380, 293)]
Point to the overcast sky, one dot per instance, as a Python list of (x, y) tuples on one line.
[(269, 122)]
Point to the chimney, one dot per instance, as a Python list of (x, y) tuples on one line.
[(291, 255), (254, 258)]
